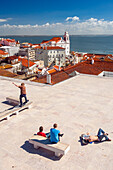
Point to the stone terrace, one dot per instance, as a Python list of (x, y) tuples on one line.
[(79, 104)]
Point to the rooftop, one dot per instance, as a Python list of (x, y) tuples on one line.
[(7, 73), (3, 52), (83, 67), (78, 105), (56, 39), (10, 40), (25, 62), (94, 69)]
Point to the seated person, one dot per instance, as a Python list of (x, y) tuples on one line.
[(41, 132), (100, 135), (55, 134)]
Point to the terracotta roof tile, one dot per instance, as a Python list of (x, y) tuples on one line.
[(12, 57), (3, 52), (10, 40), (38, 47), (6, 66), (56, 39), (83, 67), (51, 71), (7, 73), (25, 62)]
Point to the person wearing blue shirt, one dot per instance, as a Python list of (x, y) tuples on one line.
[(54, 134)]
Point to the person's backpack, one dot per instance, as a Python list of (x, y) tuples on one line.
[(83, 141)]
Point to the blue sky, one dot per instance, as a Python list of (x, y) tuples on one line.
[(41, 17)]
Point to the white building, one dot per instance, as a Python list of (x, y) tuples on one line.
[(59, 41), (27, 51), (8, 42), (51, 55), (11, 50)]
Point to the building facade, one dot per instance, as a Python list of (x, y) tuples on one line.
[(60, 42), (8, 42), (27, 52), (11, 50), (51, 55)]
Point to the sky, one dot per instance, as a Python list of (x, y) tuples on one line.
[(55, 17)]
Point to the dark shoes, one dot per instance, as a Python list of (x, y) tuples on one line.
[(61, 135), (108, 139), (26, 102)]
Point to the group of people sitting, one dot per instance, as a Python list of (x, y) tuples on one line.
[(54, 134)]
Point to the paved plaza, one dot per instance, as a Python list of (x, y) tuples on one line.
[(78, 105)]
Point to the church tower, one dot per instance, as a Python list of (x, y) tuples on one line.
[(66, 37), (67, 43)]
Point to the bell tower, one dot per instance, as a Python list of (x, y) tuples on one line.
[(67, 43), (66, 37)]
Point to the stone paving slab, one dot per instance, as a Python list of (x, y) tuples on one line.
[(78, 105)]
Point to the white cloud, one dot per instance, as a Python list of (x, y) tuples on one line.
[(92, 20), (90, 26), (5, 20), (75, 18)]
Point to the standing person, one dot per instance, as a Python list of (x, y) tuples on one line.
[(22, 93), (55, 134)]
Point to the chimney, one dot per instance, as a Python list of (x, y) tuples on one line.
[(59, 68), (92, 61), (49, 78)]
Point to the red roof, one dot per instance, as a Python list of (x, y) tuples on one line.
[(38, 47), (36, 44), (7, 73), (26, 46), (3, 52), (12, 57), (96, 55), (94, 69), (53, 48), (44, 41), (56, 39), (25, 62), (51, 71), (83, 67), (10, 40), (57, 67)]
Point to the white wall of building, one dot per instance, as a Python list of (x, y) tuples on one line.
[(11, 50), (64, 43)]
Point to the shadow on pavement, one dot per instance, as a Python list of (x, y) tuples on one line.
[(28, 147), (6, 102)]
